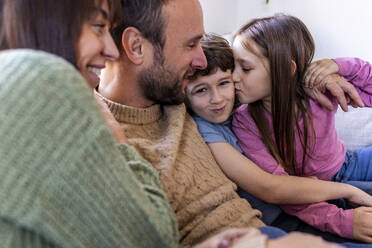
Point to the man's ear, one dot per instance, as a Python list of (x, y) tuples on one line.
[(293, 67), (133, 45)]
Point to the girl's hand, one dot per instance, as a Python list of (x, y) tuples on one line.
[(359, 198), (303, 240), (344, 92), (227, 238), (318, 71), (362, 226)]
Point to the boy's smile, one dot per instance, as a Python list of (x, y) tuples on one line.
[(212, 97)]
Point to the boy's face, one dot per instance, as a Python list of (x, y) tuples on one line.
[(212, 97)]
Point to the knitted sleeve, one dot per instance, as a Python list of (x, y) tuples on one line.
[(64, 182)]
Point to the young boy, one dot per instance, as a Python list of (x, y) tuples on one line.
[(210, 97)]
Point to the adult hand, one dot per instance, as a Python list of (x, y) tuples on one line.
[(112, 123), (318, 70), (296, 239), (362, 228), (344, 92), (227, 238)]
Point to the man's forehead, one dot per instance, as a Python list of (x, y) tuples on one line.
[(184, 16)]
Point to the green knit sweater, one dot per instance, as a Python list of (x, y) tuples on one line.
[(63, 180)]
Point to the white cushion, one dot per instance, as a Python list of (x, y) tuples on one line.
[(354, 127)]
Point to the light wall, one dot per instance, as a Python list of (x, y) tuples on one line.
[(341, 28)]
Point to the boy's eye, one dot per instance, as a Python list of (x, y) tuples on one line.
[(201, 90), (223, 83), (246, 69)]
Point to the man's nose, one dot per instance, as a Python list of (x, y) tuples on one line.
[(199, 61)]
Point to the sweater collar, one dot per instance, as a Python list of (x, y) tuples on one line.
[(132, 115)]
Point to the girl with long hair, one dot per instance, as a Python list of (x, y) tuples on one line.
[(285, 132)]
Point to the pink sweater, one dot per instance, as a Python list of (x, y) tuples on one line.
[(328, 154)]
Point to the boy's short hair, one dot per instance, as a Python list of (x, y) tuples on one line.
[(219, 55)]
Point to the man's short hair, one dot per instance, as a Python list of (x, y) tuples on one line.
[(146, 16), (219, 55)]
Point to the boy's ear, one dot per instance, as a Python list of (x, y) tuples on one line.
[(293, 67), (133, 41)]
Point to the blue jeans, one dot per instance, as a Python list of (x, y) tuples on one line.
[(274, 233), (357, 169)]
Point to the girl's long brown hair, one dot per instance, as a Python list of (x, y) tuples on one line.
[(283, 39)]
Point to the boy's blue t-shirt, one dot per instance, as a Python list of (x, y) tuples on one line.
[(215, 133)]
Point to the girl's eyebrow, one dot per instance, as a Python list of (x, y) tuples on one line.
[(242, 61)]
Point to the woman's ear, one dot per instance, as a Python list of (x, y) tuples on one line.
[(133, 45), (293, 67)]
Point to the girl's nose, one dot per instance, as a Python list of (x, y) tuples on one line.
[(235, 76)]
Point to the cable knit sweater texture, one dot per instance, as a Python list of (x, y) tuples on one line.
[(64, 182), (203, 198)]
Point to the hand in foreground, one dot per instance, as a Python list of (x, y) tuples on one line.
[(362, 228), (344, 92), (296, 239), (318, 71), (359, 198), (112, 123), (227, 238)]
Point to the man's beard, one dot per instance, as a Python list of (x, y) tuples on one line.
[(161, 85)]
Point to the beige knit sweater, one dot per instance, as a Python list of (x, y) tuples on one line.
[(203, 198)]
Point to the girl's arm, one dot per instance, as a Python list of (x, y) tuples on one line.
[(352, 223), (281, 189), (322, 215), (354, 70), (359, 73)]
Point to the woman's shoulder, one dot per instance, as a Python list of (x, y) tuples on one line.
[(29, 59), (31, 68), (40, 77)]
